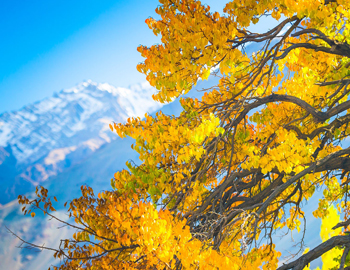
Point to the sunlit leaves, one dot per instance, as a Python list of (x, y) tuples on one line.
[(236, 165)]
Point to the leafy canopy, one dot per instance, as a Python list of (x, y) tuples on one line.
[(237, 165)]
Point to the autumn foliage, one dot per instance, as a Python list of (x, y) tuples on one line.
[(216, 182)]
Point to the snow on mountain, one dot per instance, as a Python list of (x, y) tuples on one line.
[(48, 136), (84, 107)]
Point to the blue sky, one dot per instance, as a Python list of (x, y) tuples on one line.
[(50, 45)]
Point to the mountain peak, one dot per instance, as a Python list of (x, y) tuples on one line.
[(86, 85)]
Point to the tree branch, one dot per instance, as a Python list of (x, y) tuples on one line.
[(313, 254)]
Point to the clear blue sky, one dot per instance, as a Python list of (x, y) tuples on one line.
[(48, 45)]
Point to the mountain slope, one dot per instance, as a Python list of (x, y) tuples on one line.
[(44, 138), (95, 171)]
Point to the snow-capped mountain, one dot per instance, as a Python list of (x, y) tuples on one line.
[(63, 140), (43, 138)]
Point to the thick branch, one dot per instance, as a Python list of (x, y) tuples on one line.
[(338, 49), (313, 254), (342, 224), (296, 177)]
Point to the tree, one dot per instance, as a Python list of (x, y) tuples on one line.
[(236, 166)]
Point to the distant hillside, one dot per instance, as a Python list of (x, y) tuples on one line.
[(95, 171)]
